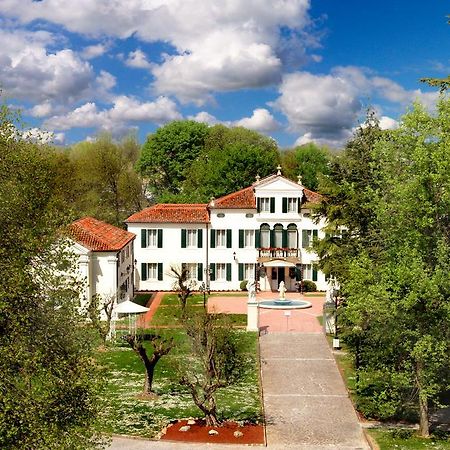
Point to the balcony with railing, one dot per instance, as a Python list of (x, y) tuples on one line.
[(277, 252)]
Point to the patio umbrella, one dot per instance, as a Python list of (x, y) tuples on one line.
[(130, 308)]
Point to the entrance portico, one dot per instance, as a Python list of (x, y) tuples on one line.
[(275, 270)]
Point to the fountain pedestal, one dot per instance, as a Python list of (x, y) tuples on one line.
[(252, 316)]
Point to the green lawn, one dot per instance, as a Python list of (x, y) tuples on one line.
[(125, 413), (387, 441)]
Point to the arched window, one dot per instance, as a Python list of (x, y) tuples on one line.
[(265, 235), (278, 236), (292, 235)]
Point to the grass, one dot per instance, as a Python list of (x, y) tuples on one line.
[(387, 441), (143, 299), (126, 413)]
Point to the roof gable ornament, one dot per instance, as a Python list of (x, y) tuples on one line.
[(299, 179), (212, 202), (257, 178), (279, 169)]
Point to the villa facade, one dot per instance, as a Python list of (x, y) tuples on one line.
[(262, 232), (105, 259)]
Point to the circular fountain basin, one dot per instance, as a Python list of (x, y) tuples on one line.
[(284, 304)]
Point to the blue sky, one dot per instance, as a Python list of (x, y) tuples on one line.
[(296, 70)]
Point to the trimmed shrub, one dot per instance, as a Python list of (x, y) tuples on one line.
[(309, 286), (243, 285)]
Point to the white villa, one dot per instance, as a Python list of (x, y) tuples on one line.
[(263, 231), (105, 258)]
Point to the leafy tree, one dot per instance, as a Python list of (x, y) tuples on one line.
[(107, 186), (168, 154), (397, 308), (49, 384), (160, 346), (350, 190), (308, 161), (217, 359), (230, 161)]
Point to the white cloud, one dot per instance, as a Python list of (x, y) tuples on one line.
[(138, 59), (41, 110), (261, 120), (29, 71), (204, 117), (325, 108), (94, 51), (123, 111), (218, 46), (387, 123)]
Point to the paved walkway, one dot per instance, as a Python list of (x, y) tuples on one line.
[(305, 400)]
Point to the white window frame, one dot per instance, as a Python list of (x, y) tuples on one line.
[(292, 235), (249, 271), (152, 271), (152, 238), (307, 271), (264, 204), (221, 271), (265, 236), (221, 238), (191, 238), (249, 238), (192, 269), (292, 204)]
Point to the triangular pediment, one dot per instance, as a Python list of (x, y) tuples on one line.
[(277, 183)]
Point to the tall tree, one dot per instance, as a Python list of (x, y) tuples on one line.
[(107, 185), (397, 298), (49, 384), (168, 153), (231, 159), (309, 161), (349, 191)]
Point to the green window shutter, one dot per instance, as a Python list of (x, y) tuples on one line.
[(160, 238), (314, 234), (144, 271), (228, 271), (272, 238), (284, 239), (241, 238), (212, 272), (229, 239), (257, 238), (143, 238), (314, 273), (160, 271), (298, 272), (183, 238), (305, 243), (200, 271), (200, 238), (272, 204), (240, 271), (284, 205), (258, 205), (213, 238), (299, 205)]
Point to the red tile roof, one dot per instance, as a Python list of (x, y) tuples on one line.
[(311, 196), (245, 199), (99, 236), (172, 213)]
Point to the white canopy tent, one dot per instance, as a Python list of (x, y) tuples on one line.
[(131, 309)]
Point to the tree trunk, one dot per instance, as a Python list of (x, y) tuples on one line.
[(424, 427)]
